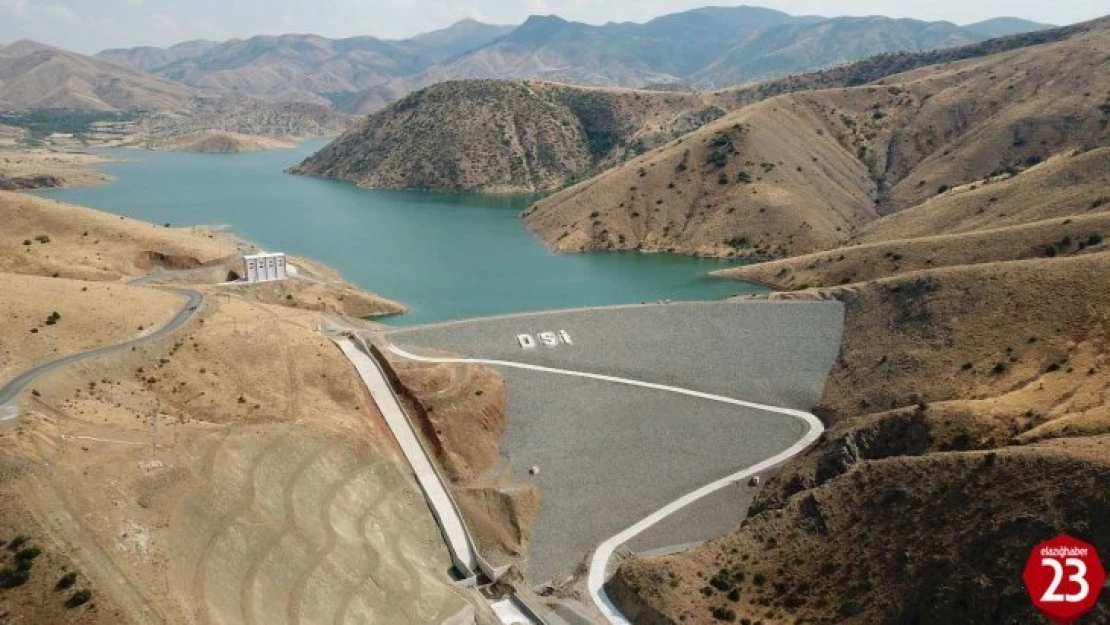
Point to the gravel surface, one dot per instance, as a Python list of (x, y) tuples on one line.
[(610, 454)]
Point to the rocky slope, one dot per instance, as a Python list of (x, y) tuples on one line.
[(968, 420), (809, 171), (504, 136), (248, 116)]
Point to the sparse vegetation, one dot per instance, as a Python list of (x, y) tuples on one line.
[(66, 582), (78, 598), (722, 613)]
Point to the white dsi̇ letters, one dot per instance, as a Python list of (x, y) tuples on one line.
[(550, 340)]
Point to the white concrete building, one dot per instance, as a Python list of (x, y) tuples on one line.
[(264, 267)]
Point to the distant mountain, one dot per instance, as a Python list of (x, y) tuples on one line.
[(304, 68), (710, 47), (458, 39), (148, 59), (36, 76), (1002, 26), (801, 47), (665, 49)]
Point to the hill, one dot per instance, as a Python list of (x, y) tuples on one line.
[(501, 136), (218, 142), (967, 422), (808, 171), (35, 76), (195, 447), (1001, 26)]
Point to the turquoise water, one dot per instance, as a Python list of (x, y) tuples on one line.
[(445, 256)]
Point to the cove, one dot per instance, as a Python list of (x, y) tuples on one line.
[(445, 256)]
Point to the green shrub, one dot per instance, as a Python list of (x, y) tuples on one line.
[(722, 179), (743, 178), (66, 582), (942, 188), (722, 613), (12, 578), (1094, 239), (28, 554), (79, 598)]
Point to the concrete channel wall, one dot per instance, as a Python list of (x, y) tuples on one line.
[(373, 370)]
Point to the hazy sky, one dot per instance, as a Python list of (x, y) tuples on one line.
[(91, 25)]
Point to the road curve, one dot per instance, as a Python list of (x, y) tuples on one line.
[(10, 391), (595, 581)]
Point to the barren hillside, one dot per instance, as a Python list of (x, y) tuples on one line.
[(33, 75), (1042, 211), (968, 421), (500, 136), (235, 471), (808, 171), (461, 411), (218, 142), (47, 238)]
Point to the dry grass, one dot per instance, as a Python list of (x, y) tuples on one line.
[(506, 136), (819, 167), (91, 315), (461, 411), (968, 420), (59, 168), (267, 490), (217, 141)]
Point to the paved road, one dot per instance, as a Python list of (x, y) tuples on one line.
[(11, 390)]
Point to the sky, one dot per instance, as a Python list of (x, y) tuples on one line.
[(91, 25)]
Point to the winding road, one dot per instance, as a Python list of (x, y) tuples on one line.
[(11, 390), (596, 578)]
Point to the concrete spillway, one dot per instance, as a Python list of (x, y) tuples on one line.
[(439, 499)]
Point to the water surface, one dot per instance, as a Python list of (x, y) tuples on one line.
[(445, 256)]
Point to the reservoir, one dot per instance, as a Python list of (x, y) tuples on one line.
[(445, 256)]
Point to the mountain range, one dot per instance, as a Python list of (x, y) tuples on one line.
[(707, 48)]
